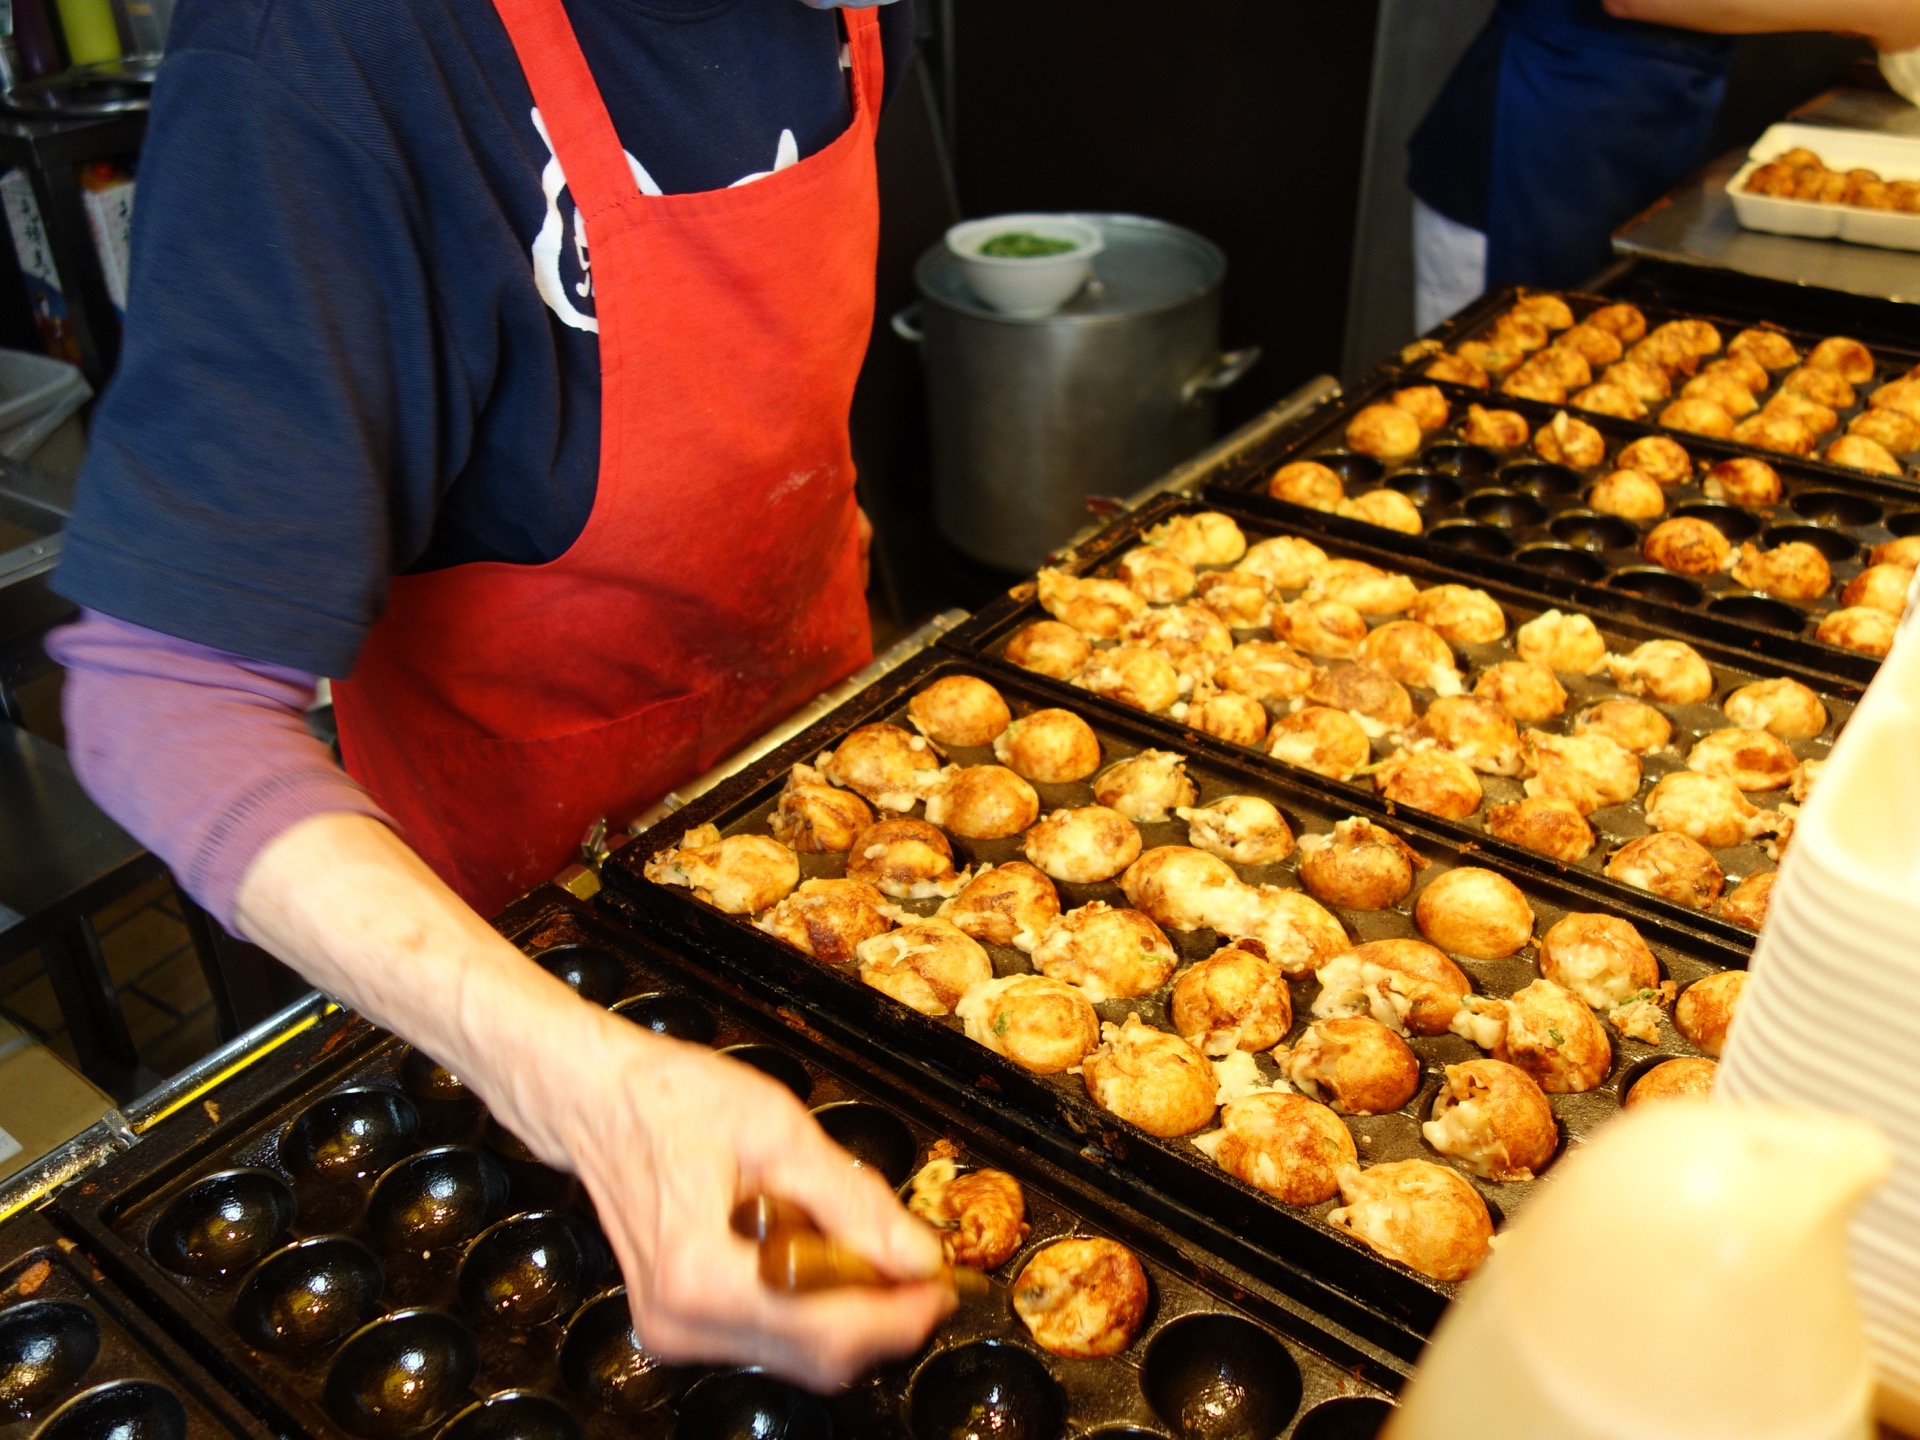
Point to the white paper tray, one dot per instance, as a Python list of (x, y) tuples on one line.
[(1894, 157)]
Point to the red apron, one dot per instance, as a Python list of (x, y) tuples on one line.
[(496, 709)]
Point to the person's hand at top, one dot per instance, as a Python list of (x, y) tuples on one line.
[(1892, 25)]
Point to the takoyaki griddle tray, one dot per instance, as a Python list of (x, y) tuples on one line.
[(1291, 1239), (994, 624), (78, 1360), (1516, 515), (449, 1252)]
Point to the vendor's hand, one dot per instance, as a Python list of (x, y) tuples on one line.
[(667, 1140), (866, 545)]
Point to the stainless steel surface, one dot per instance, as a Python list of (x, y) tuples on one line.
[(1029, 417), (1696, 224), (894, 657)]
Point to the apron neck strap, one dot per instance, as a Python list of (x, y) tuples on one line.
[(578, 129)]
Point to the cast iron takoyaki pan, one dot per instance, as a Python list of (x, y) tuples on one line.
[(362, 1248)]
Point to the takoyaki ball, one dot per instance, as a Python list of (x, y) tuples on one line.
[(1388, 509), (1697, 337), (815, 818), (1235, 999), (1010, 904), (1793, 571), (1046, 647), (742, 874), (1146, 787), (1475, 913), (1698, 416), (959, 710), (1545, 824), (1722, 390), (1360, 866), (1527, 690), (1353, 1064), (1406, 985), (1901, 396), (1237, 719), (1707, 808), (1567, 643), (1324, 629), (1096, 608), (1567, 441), (1601, 959), (1566, 368), (1179, 887), (1825, 387), (1622, 320), (1857, 452), (1687, 1078), (1633, 725), (1659, 459), (1241, 598), (1458, 370), (1605, 399), (1083, 846), (1531, 383), (1688, 545), (1144, 679), (1746, 904), (1647, 383), (1110, 954), (1496, 429), (1285, 562), (1435, 781), (1859, 627), (1321, 739), (1545, 1030), (1426, 1216), (1780, 707), (882, 764), (1673, 866), (1801, 786), (1266, 670), (1594, 345), (1896, 433), (1151, 1079), (1666, 351), (828, 919), (1049, 747), (1176, 627), (1670, 671), (1850, 358), (983, 802), (1744, 368), (1084, 1299), (1777, 431), (907, 859), (1206, 538), (1550, 310), (1298, 932), (1493, 1120), (1753, 759), (1426, 404), (1819, 419), (1367, 588), (1880, 587), (1628, 494), (1705, 1010), (1378, 701), (1744, 481), (1286, 1145), (1155, 574), (1241, 828), (1516, 331), (927, 965), (1460, 614), (1768, 348), (1477, 731), (981, 1214), (1307, 483), (1414, 654)]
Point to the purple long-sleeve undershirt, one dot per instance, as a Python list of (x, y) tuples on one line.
[(204, 757)]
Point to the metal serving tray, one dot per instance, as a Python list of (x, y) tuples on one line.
[(362, 1101), (1285, 1242), (1522, 518), (78, 1359), (990, 629)]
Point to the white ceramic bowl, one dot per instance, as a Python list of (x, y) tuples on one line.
[(1030, 286)]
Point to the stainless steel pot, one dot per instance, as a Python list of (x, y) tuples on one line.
[(1030, 417)]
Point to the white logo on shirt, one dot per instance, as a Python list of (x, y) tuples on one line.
[(551, 243)]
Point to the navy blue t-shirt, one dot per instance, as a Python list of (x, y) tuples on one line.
[(343, 358)]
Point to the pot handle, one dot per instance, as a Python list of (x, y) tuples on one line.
[(906, 323), (1225, 370)]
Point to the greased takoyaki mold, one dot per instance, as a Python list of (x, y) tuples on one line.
[(79, 1362), (361, 1247), (1234, 1213)]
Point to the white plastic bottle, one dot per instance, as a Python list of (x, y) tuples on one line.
[(1684, 1277)]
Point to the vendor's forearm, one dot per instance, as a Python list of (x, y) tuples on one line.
[(1890, 24)]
